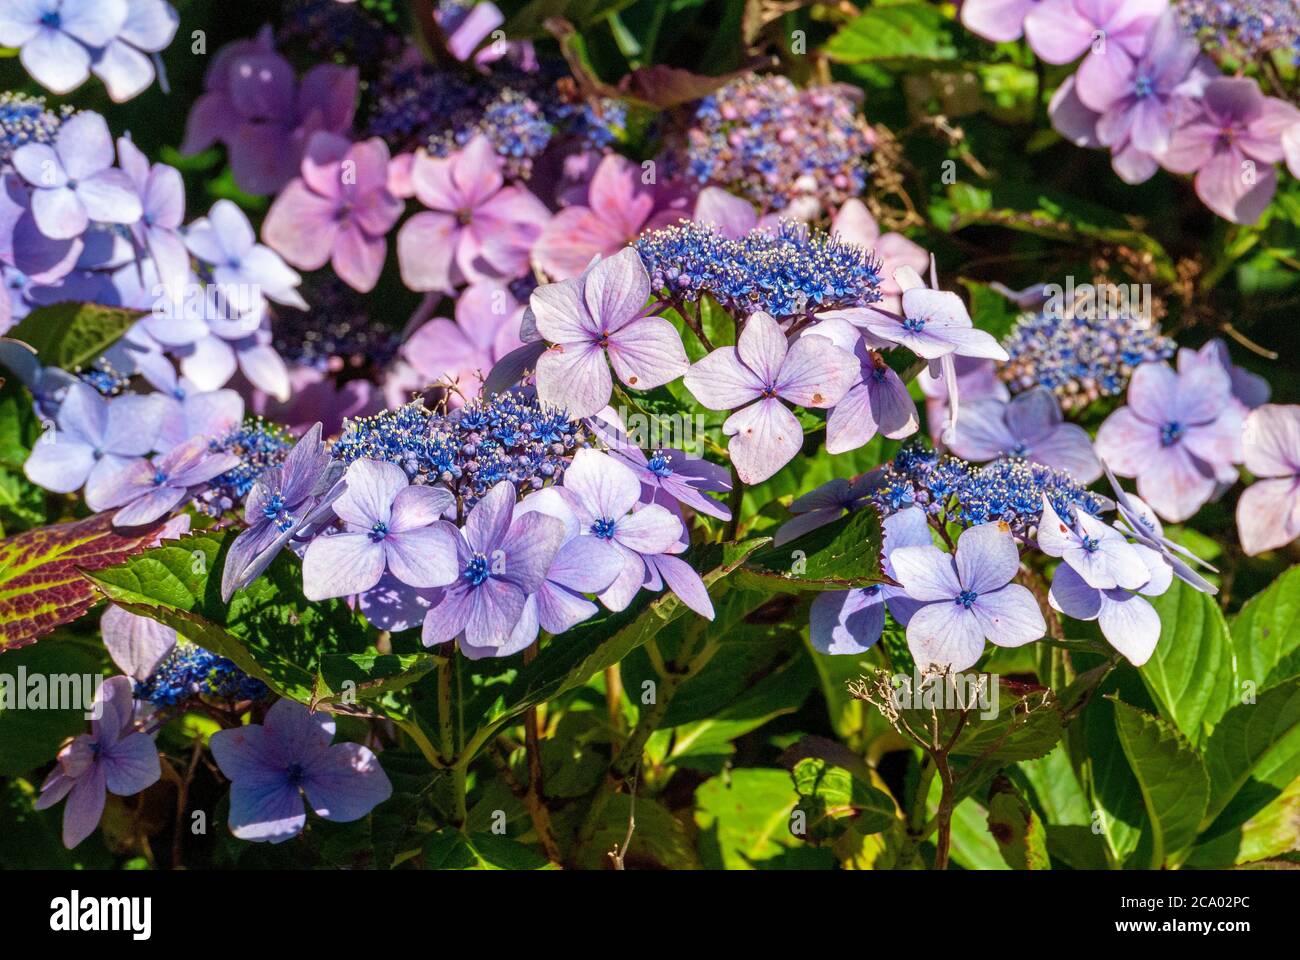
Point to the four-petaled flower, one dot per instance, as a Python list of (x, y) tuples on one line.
[(273, 764), (146, 490), (391, 524), (603, 312), (1268, 513), (113, 758), (1180, 435), (755, 375), (967, 598), (1030, 426)]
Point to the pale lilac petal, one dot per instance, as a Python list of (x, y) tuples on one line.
[(1130, 624), (1125, 441), (56, 61), (528, 550), (986, 558), (59, 463), (574, 377), (846, 621), (647, 353), (765, 436), (487, 524), (1058, 32), (982, 433), (721, 382), (1267, 517), (345, 783), (616, 289), (85, 802), (1068, 447), (651, 529), (136, 644), (494, 609), (606, 487), (426, 245), (558, 609), (688, 585), (945, 633), (762, 348), (446, 618), (816, 373), (268, 809), (585, 564), (926, 573), (297, 731), (372, 486), (151, 506), (425, 556), (131, 765), (1072, 596), (341, 565), (1010, 617), (1271, 441)]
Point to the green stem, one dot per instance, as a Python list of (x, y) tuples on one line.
[(690, 661)]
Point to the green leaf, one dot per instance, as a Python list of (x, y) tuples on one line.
[(452, 850), (831, 800), (1016, 828), (904, 31), (659, 840), (744, 821), (371, 675), (1252, 756), (1175, 787), (707, 743), (989, 310), (1190, 676), (269, 629), (41, 581), (837, 556), (70, 335), (1266, 633)]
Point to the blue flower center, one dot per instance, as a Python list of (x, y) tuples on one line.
[(159, 477), (51, 19), (295, 774), (604, 528), (1091, 544), (1143, 86), (1171, 433), (476, 571), (378, 531), (95, 748), (275, 511), (966, 598), (1021, 449), (660, 465), (914, 324)]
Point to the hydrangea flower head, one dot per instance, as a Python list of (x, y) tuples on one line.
[(74, 179), (1030, 426), (500, 561), (338, 212), (475, 227)]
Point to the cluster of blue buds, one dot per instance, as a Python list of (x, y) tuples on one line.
[(772, 143), (471, 449), (26, 119), (520, 112), (792, 271), (191, 671), (259, 445), (1080, 358), (1250, 27), (1009, 489)]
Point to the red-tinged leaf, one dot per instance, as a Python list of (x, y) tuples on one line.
[(41, 585)]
